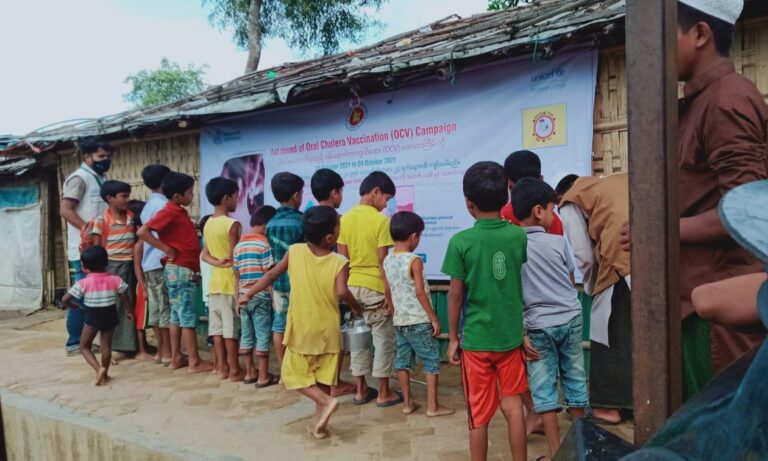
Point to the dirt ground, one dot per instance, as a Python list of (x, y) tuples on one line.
[(234, 421)]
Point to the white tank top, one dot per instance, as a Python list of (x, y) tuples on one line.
[(88, 208)]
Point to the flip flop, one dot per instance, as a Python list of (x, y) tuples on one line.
[(251, 380), (372, 395), (590, 416), (270, 382), (392, 403)]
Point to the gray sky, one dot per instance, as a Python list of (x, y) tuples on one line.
[(63, 60)]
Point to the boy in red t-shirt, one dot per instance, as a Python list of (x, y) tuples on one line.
[(177, 238), (519, 165)]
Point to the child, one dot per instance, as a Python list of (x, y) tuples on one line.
[(416, 324), (365, 240), (283, 230), (485, 263), (116, 232), (252, 259), (98, 291), (221, 234), (140, 306), (552, 311), (328, 188), (312, 335), (158, 306), (177, 238), (205, 281)]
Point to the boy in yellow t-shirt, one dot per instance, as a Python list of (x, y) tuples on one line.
[(366, 241), (312, 333), (221, 234)]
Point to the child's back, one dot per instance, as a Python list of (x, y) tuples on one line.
[(313, 316), (550, 297), (489, 258), (364, 230), (217, 240)]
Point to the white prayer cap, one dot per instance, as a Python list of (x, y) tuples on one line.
[(727, 10)]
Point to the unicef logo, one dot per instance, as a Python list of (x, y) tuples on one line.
[(499, 266)]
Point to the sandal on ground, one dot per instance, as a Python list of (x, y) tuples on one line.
[(391, 403), (271, 381), (372, 395), (589, 415)]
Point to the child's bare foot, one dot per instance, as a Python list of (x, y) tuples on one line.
[(411, 408), (533, 424), (223, 372), (200, 367), (178, 363), (322, 423), (101, 377), (318, 435), (343, 388), (240, 376), (145, 357), (441, 411)]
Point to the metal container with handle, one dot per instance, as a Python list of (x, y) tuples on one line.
[(356, 336)]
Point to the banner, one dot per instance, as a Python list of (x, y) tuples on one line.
[(425, 136)]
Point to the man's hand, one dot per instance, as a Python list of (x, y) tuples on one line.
[(170, 253), (129, 316), (531, 354), (453, 352), (624, 237), (436, 327)]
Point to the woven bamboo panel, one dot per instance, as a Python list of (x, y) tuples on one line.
[(609, 144)]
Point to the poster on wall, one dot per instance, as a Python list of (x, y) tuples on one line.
[(425, 136)]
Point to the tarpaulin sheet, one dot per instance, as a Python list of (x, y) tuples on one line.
[(21, 278)]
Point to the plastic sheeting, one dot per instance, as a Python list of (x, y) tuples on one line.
[(21, 278)]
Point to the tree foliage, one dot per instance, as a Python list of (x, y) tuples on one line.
[(169, 83), (496, 5), (308, 25)]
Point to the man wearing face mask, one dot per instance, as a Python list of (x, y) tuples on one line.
[(80, 202)]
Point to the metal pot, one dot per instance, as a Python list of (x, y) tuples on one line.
[(356, 336)]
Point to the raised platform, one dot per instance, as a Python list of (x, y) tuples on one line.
[(50, 410)]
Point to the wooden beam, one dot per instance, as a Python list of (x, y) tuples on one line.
[(654, 216)]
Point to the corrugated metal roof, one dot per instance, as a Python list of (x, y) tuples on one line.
[(452, 39)]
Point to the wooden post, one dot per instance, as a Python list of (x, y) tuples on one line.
[(654, 216)]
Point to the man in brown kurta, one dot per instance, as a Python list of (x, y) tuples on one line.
[(723, 121)]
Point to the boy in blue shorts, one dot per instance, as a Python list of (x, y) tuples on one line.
[(252, 259), (416, 324), (552, 311), (283, 230), (485, 263)]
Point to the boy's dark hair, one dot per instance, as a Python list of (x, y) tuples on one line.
[(565, 185), (203, 221), (522, 164), (218, 188), (153, 175), (136, 207), (94, 258), (688, 17), (263, 215), (377, 179), (485, 185), (325, 181), (91, 144), (404, 224), (285, 185), (528, 193), (317, 222), (111, 188), (176, 183)]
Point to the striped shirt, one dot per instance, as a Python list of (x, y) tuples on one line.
[(98, 289), (253, 258), (283, 230), (121, 237)]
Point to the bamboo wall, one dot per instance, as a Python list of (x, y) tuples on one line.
[(609, 152)]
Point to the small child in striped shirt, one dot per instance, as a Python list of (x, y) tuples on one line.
[(252, 259), (99, 293)]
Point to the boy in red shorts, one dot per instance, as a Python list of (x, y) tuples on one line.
[(485, 264)]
